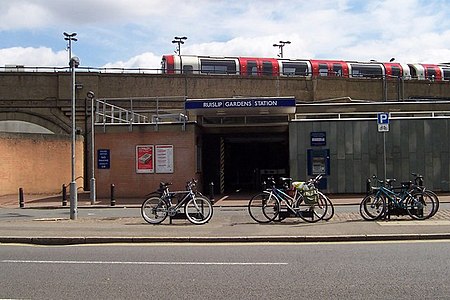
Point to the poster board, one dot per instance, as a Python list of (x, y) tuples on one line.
[(164, 158), (145, 160)]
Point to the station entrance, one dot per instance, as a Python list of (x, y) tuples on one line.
[(239, 163), (244, 140)]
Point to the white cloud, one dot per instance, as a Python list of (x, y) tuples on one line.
[(128, 33), (29, 56), (145, 60)]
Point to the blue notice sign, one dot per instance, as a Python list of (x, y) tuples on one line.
[(318, 138), (383, 118), (103, 159), (240, 103)]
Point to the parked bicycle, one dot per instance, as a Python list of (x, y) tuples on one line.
[(386, 200), (419, 186), (309, 204), (160, 204)]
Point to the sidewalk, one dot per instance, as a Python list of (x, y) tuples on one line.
[(100, 223)]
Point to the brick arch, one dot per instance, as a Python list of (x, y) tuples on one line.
[(38, 119)]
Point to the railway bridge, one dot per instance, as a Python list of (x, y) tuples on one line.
[(44, 99)]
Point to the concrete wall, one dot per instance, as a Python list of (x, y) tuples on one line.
[(55, 88), (356, 152), (39, 163), (122, 144)]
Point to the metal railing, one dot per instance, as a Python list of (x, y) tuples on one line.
[(139, 111)]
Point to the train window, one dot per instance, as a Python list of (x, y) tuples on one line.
[(323, 70), (267, 68), (218, 66), (252, 68), (413, 72), (396, 71), (446, 74), (299, 69), (337, 70), (430, 73), (188, 69), (366, 70)]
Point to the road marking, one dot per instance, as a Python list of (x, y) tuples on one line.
[(170, 263)]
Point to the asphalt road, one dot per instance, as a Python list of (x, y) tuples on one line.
[(377, 270)]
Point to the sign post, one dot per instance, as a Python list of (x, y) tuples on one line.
[(383, 126)]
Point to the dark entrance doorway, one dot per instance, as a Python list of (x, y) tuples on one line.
[(245, 159)]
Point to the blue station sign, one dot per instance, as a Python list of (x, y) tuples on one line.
[(241, 105)]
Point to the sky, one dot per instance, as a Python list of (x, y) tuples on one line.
[(136, 33)]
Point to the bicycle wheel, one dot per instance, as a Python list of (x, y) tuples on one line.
[(330, 210), (311, 211), (263, 208), (154, 210), (436, 201), (372, 207), (198, 210), (420, 206)]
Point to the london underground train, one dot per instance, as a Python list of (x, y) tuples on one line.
[(253, 66)]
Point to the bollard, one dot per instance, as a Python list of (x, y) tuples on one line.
[(64, 195), (211, 192), (368, 186), (113, 199), (21, 201)]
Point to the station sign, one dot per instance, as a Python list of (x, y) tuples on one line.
[(318, 138), (241, 105)]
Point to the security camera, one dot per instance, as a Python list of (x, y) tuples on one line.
[(74, 62), (90, 94)]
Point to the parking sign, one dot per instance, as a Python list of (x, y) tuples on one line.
[(383, 122)]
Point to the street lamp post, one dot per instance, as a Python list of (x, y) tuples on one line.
[(280, 46), (179, 41), (69, 37), (73, 63), (91, 96)]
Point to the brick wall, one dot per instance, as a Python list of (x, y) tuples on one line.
[(39, 163), (122, 144)]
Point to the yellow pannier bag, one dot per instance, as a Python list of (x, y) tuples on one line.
[(308, 191)]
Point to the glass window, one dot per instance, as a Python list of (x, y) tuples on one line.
[(252, 68), (337, 70), (446, 74), (295, 69), (267, 68), (323, 70), (413, 72), (430, 73), (218, 66), (188, 69), (396, 71), (366, 70)]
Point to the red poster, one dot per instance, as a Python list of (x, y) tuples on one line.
[(145, 159)]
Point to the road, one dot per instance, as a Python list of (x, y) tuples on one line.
[(381, 270)]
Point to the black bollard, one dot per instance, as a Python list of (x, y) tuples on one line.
[(64, 195), (21, 200), (113, 199), (211, 192), (368, 186)]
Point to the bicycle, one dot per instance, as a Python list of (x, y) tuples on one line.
[(419, 185), (197, 209), (273, 202), (384, 201)]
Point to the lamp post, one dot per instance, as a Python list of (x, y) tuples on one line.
[(74, 62), (91, 96), (69, 37), (280, 46), (179, 41)]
